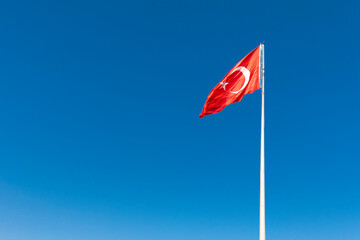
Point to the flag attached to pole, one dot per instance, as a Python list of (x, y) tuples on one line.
[(242, 79)]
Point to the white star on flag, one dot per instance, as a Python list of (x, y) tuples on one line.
[(223, 85)]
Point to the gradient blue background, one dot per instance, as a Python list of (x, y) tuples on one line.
[(99, 129)]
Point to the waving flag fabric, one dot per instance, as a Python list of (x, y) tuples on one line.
[(242, 79)]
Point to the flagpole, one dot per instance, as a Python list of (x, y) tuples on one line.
[(262, 153)]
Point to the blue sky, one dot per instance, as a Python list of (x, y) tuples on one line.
[(100, 136)]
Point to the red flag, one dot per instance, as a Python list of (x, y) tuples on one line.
[(242, 79)]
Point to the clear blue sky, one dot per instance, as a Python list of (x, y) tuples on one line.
[(100, 136)]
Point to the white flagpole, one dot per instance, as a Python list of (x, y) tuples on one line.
[(262, 154)]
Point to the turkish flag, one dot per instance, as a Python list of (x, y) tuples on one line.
[(242, 79)]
